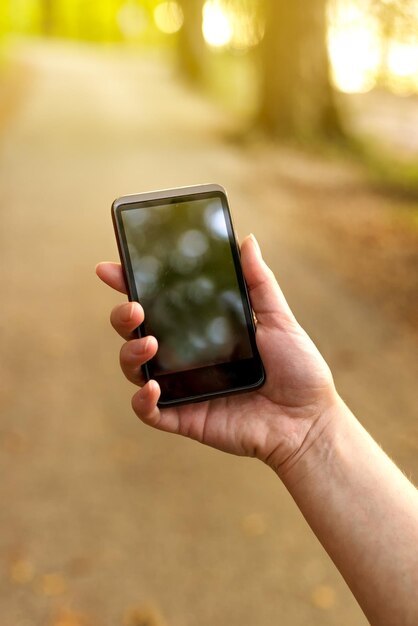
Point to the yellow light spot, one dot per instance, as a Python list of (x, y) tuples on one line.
[(68, 618), (323, 597), (144, 616), (254, 525), (216, 26), (52, 585), (168, 17), (21, 572)]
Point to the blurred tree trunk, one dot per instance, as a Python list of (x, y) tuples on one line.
[(47, 12), (297, 99), (191, 45)]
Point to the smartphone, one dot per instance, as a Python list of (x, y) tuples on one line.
[(181, 261)]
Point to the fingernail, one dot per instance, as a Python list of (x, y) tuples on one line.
[(127, 312), (141, 346), (257, 247)]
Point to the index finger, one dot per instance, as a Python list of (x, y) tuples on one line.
[(112, 275)]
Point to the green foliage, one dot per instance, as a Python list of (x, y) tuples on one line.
[(91, 20), (388, 171), (233, 80), (22, 16)]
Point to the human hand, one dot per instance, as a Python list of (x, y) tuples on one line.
[(274, 423)]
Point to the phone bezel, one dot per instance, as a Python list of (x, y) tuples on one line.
[(219, 380)]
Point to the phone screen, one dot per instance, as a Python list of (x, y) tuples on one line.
[(184, 272), (181, 262)]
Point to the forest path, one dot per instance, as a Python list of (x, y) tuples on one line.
[(104, 521)]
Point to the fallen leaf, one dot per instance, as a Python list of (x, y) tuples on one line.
[(323, 597)]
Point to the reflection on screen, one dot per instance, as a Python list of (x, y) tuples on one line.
[(185, 279)]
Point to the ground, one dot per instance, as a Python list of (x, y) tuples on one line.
[(104, 521)]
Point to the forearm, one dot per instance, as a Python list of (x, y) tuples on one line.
[(365, 513)]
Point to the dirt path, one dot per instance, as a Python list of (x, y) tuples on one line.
[(105, 522)]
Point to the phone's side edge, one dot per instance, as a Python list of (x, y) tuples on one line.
[(114, 210)]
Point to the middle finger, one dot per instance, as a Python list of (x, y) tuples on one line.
[(135, 353), (126, 317)]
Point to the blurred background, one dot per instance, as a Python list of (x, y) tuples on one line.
[(307, 112)]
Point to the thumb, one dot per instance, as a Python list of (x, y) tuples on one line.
[(269, 304)]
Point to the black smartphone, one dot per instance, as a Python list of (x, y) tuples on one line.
[(181, 261)]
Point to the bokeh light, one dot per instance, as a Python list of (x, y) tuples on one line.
[(354, 42), (216, 25), (403, 68), (132, 20), (225, 26), (357, 52), (354, 49), (168, 17)]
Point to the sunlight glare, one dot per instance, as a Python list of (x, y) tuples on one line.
[(403, 68), (353, 44), (403, 60), (216, 25), (354, 60), (355, 51), (225, 26)]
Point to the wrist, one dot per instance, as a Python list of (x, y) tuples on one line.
[(318, 445)]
